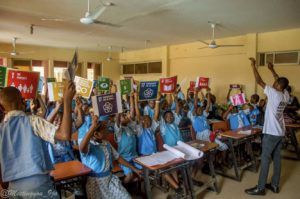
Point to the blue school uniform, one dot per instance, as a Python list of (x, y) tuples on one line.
[(200, 122), (146, 139), (101, 183), (60, 152), (126, 139), (24, 158), (180, 95), (238, 120), (253, 115), (170, 133), (149, 111), (84, 128)]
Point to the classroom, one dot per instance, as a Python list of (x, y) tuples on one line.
[(149, 99)]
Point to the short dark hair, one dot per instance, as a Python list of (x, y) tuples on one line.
[(283, 82), (255, 97), (289, 88)]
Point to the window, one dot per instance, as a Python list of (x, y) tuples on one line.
[(282, 58), (37, 66), (142, 68), (59, 69), (94, 70), (24, 65)]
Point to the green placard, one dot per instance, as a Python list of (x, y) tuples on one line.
[(103, 84), (51, 79), (126, 86), (2, 76)]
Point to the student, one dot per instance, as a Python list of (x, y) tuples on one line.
[(273, 130), (253, 112), (237, 119), (180, 94), (293, 106), (24, 159), (200, 123), (149, 109), (169, 129), (146, 128), (61, 151), (98, 154), (125, 136)]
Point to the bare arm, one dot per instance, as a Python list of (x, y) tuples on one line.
[(271, 68), (127, 164), (227, 112), (156, 108), (195, 100), (131, 106), (257, 76), (136, 106), (208, 101), (84, 144), (177, 110), (43, 106), (65, 130), (52, 115), (79, 113), (228, 94)]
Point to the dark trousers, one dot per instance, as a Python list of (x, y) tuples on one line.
[(271, 148)]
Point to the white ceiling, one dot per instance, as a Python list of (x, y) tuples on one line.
[(162, 22)]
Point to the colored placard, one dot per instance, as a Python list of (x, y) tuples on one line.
[(41, 85), (126, 86), (168, 85), (2, 76), (69, 74), (84, 87), (238, 99), (148, 90), (26, 82), (202, 82), (55, 91), (192, 86), (103, 84), (107, 104)]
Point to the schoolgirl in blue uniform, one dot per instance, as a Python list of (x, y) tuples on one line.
[(24, 159)]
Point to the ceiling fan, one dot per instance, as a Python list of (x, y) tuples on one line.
[(91, 18), (14, 52), (213, 44)]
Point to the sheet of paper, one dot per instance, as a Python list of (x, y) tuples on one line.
[(157, 158), (248, 132), (178, 153)]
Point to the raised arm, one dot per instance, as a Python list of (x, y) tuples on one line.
[(42, 105), (136, 106), (195, 100), (208, 100), (228, 95), (227, 112), (271, 68), (177, 110), (157, 107), (83, 147), (53, 114), (132, 115), (65, 130), (79, 113), (257, 76)]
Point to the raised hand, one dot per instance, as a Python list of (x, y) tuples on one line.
[(253, 61)]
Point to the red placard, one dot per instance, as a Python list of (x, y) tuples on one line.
[(168, 85), (202, 82), (192, 86), (26, 82)]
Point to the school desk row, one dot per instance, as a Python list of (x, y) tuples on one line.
[(75, 170)]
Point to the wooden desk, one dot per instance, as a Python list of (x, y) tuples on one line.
[(209, 149), (291, 133), (236, 139), (158, 170), (67, 173)]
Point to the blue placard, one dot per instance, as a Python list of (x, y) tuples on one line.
[(148, 90)]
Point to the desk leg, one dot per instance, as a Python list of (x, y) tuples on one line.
[(147, 183), (212, 171), (294, 142), (190, 181), (235, 165), (253, 159)]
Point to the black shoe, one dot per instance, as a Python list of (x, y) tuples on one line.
[(273, 188), (255, 191)]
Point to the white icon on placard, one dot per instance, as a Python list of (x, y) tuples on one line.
[(104, 85), (20, 87), (107, 107), (148, 92), (81, 90)]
